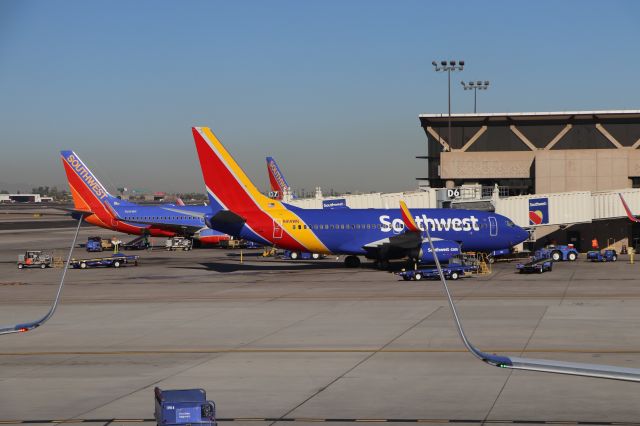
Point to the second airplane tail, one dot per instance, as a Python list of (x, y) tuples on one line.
[(278, 183)]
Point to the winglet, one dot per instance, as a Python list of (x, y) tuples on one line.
[(626, 208), (407, 218)]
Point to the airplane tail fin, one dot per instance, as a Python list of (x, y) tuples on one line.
[(89, 195), (407, 218), (227, 184), (278, 183), (628, 210)]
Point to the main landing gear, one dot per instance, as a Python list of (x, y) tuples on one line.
[(381, 264), (352, 261)]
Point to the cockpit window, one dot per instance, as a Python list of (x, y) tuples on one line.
[(510, 224)]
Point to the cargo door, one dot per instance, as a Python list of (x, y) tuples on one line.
[(493, 226)]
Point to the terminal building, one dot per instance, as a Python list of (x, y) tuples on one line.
[(540, 152), (24, 198), (576, 160)]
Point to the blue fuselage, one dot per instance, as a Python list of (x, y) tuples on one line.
[(350, 231)]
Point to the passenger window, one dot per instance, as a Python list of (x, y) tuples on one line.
[(299, 226), (305, 226)]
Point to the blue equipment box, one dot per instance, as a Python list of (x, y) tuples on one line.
[(184, 407)]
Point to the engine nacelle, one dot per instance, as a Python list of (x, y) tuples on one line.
[(445, 249)]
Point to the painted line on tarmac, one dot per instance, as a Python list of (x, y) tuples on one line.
[(334, 420), (322, 350)]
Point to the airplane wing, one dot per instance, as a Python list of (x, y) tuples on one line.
[(27, 326), (533, 364), (398, 246), (628, 210)]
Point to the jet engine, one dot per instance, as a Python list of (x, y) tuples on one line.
[(445, 249)]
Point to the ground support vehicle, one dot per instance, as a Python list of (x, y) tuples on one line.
[(140, 243), (457, 267), (34, 259), (94, 244), (178, 243), (506, 255), (116, 260), (452, 272), (608, 255), (239, 244), (184, 407), (538, 265), (558, 253), (303, 255)]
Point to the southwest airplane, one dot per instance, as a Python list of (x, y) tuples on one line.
[(242, 211), (91, 199), (279, 185)]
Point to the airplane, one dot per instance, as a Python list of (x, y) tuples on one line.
[(598, 371), (279, 185), (376, 234), (93, 201)]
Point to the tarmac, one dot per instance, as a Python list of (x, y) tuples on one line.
[(302, 342)]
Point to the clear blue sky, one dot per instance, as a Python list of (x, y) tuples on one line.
[(331, 89)]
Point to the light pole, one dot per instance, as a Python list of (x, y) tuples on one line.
[(448, 66), (475, 86)]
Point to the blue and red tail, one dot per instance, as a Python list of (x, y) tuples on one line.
[(89, 195), (279, 185)]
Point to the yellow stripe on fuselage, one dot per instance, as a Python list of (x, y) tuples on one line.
[(273, 208)]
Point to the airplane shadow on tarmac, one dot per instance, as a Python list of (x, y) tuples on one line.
[(267, 266)]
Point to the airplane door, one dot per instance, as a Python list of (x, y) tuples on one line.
[(493, 226), (277, 228)]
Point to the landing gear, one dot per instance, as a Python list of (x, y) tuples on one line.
[(381, 264), (352, 261)]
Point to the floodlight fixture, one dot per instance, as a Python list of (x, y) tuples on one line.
[(475, 86)]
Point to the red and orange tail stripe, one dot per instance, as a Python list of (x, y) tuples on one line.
[(231, 187), (409, 222), (628, 210)]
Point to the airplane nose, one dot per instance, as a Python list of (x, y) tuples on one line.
[(522, 235)]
